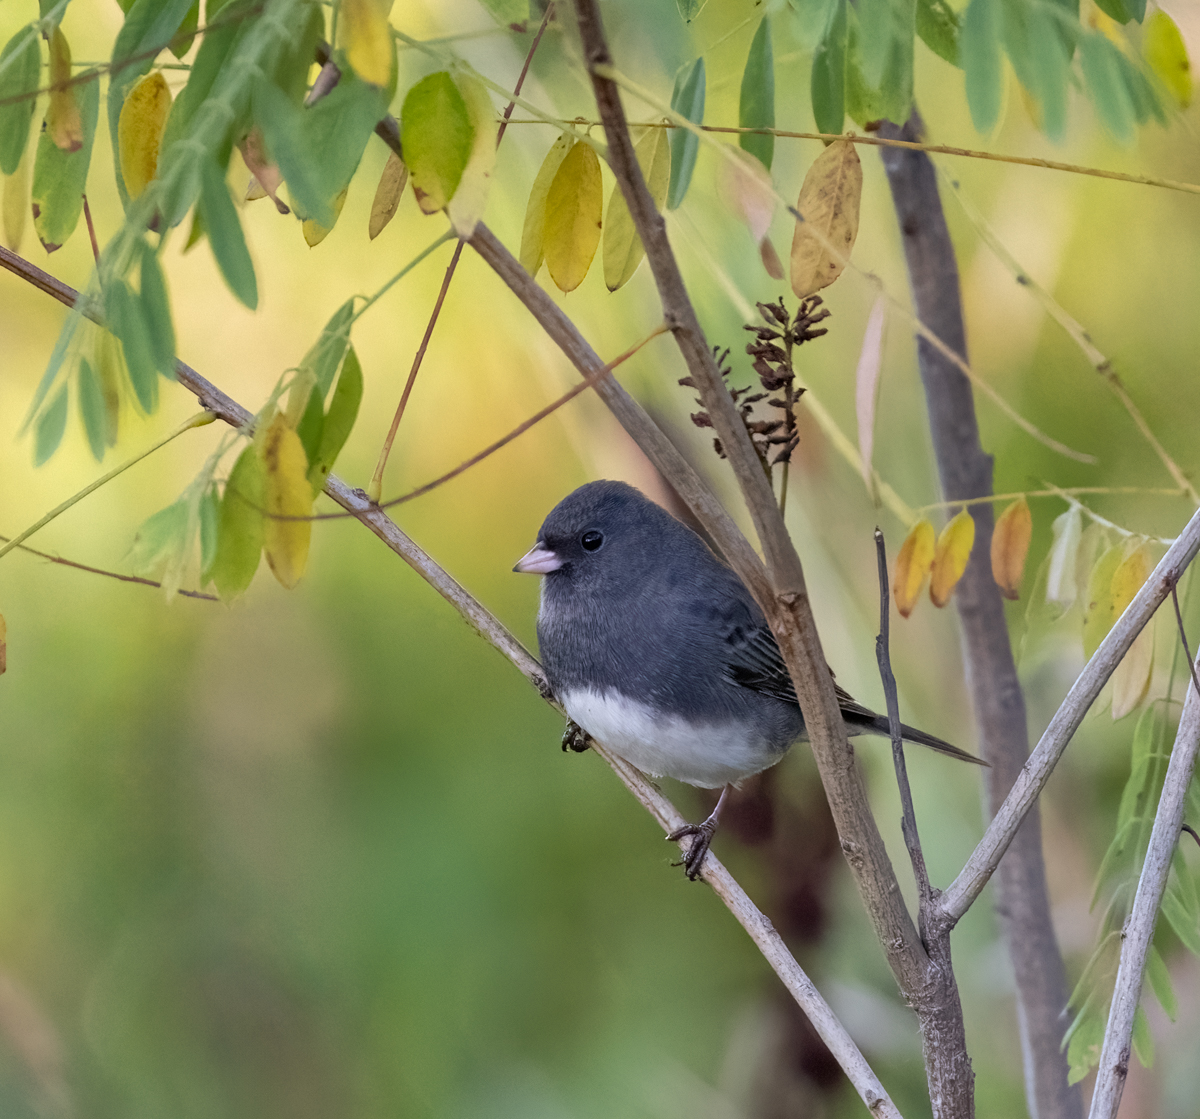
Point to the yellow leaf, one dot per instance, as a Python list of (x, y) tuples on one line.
[(1131, 679), (16, 203), (466, 206), (912, 566), (288, 493), (63, 121), (950, 558), (314, 233), (623, 249), (387, 194), (1131, 573), (367, 37), (533, 238), (829, 201), (573, 206), (1010, 546), (1098, 616), (1166, 55), (140, 130)]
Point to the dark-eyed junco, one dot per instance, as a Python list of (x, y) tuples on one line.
[(656, 649)]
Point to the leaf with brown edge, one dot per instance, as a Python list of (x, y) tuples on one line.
[(64, 124), (387, 195), (913, 562), (287, 493), (367, 38), (140, 131), (1010, 546), (950, 557), (573, 207), (623, 249), (267, 176), (829, 203), (533, 234), (437, 137)]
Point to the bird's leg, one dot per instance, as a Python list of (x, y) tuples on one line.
[(575, 738), (703, 832)]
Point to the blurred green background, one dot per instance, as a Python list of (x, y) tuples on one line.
[(320, 854)]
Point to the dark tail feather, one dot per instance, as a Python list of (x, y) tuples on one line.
[(879, 725)]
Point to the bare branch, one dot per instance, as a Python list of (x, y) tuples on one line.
[(969, 884), (1139, 929)]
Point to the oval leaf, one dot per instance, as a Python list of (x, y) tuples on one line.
[(1010, 546), (367, 37), (91, 407), (20, 68), (1166, 55), (533, 235), (573, 205), (979, 52), (50, 427), (467, 204), (1131, 678), (623, 249), (913, 562), (287, 493), (437, 137), (314, 232), (239, 527), (1060, 577), (828, 81), (64, 124), (60, 177), (387, 195), (220, 222), (687, 99), (744, 187), (16, 205), (866, 388), (756, 105), (950, 558), (140, 131), (339, 420), (1098, 616), (829, 201)]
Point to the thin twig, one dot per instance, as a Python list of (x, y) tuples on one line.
[(908, 824), (962, 892), (933, 149), (109, 574), (375, 489), (1097, 360), (1139, 928), (87, 213), (797, 983), (1183, 636)]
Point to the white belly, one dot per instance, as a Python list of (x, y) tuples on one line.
[(710, 756)]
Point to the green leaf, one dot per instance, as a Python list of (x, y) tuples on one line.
[(1146, 102), (282, 124), (756, 106), (210, 523), (979, 50), (885, 27), (508, 12), (689, 10), (1123, 10), (60, 178), (687, 100), (127, 322), (91, 407), (938, 24), (828, 83), (1166, 55), (149, 26), (1182, 918), (46, 9), (225, 235), (1106, 83), (20, 68), (336, 130), (1143, 1040), (325, 355), (296, 58), (310, 425), (239, 527), (436, 134), (191, 21), (892, 98), (1159, 979), (156, 310), (1085, 1038), (50, 427), (339, 420), (163, 543)]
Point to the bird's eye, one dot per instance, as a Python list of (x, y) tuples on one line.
[(591, 541)]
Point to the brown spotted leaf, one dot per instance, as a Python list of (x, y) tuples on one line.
[(829, 203)]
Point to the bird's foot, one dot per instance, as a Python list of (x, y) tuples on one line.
[(575, 738), (693, 860)]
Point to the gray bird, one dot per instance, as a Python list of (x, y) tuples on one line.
[(655, 648)]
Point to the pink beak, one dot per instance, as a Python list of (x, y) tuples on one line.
[(539, 560)]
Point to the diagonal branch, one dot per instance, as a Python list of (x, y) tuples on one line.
[(761, 931), (1139, 929)]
